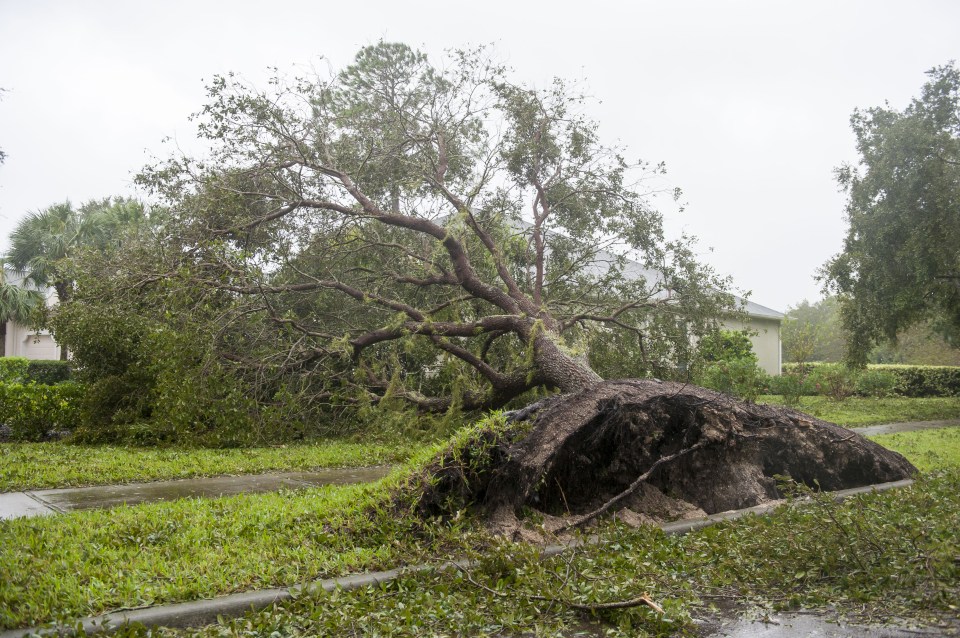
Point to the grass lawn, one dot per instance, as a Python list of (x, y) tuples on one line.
[(861, 556), (47, 465), (927, 449), (861, 411), (93, 561), (863, 552)]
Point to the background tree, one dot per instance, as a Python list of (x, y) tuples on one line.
[(814, 332), (900, 263), (16, 302), (42, 241), (437, 235)]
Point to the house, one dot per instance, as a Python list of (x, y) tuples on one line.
[(18, 340), (763, 324), (23, 341)]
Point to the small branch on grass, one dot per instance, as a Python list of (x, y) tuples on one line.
[(643, 599)]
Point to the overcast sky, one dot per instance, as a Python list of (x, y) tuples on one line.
[(748, 103)]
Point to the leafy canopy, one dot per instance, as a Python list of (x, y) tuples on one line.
[(431, 233), (900, 263)]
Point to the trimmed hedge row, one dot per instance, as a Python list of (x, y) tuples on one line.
[(33, 411), (902, 380), (22, 370)]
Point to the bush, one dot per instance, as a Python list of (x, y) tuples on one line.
[(924, 381), (33, 411), (876, 383), (49, 372), (44, 372), (726, 345), (834, 380), (907, 381), (13, 369), (791, 385), (740, 377)]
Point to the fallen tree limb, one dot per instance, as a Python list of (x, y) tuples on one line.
[(643, 599), (589, 516)]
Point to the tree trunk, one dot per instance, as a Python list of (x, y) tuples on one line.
[(561, 369), (63, 294)]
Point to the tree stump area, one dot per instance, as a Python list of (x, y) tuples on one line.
[(648, 449)]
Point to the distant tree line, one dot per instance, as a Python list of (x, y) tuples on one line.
[(815, 332)]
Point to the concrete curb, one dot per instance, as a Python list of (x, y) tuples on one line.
[(204, 612)]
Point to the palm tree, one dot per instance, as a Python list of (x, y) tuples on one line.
[(16, 303), (43, 240)]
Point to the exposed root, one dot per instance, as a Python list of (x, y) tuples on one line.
[(617, 444)]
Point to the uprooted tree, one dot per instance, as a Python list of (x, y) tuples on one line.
[(445, 237)]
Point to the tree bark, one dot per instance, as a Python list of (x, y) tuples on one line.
[(560, 369), (63, 295)]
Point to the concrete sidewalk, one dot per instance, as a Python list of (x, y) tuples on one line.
[(46, 502), (893, 428)]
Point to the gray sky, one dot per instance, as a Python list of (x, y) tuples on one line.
[(747, 102)]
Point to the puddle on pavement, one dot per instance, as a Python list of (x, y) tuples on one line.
[(810, 625), (132, 494)]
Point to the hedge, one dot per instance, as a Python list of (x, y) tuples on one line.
[(33, 411), (905, 380), (49, 372), (22, 370)]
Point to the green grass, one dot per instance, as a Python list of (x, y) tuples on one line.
[(93, 561), (861, 411), (927, 449), (48, 465), (84, 563), (878, 556)]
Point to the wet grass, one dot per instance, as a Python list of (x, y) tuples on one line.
[(927, 449), (861, 411), (26, 466), (90, 562), (895, 550), (877, 556)]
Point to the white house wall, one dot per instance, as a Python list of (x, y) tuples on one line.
[(766, 341), (23, 341)]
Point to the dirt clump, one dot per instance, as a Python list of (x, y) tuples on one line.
[(653, 450)]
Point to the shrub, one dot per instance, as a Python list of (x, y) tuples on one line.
[(49, 372), (740, 377), (791, 385), (13, 369), (32, 410), (726, 345), (908, 381), (876, 383), (834, 380), (23, 370), (924, 381)]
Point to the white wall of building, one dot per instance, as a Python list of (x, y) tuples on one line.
[(23, 341)]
